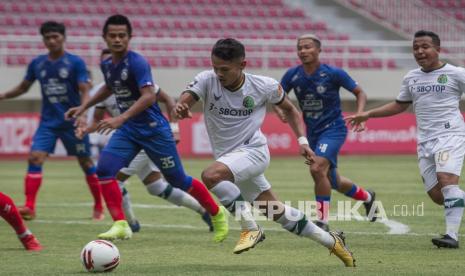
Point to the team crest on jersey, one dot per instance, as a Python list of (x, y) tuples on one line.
[(248, 102), (320, 89), (124, 74), (43, 73), (63, 73), (442, 78)]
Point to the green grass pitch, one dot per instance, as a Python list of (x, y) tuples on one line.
[(174, 241)]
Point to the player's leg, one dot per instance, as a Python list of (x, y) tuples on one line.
[(347, 187), (43, 143), (326, 147), (9, 212), (224, 178), (297, 223), (156, 185), (162, 151), (81, 149), (121, 178), (116, 155), (448, 163)]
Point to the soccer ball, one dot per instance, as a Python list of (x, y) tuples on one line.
[(100, 256)]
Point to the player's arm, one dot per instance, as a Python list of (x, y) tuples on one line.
[(361, 100), (170, 104), (146, 99), (184, 104), (280, 113), (99, 113), (74, 112), (386, 110), (292, 116), (19, 90)]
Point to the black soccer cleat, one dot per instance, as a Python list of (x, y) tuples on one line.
[(445, 241), (369, 205), (322, 225)]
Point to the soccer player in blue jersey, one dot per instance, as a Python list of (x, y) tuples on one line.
[(64, 84), (141, 125), (316, 87)]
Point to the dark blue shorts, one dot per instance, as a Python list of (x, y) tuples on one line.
[(45, 139), (328, 143)]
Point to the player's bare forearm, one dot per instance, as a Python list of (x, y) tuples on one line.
[(361, 98), (387, 110), (183, 106), (103, 93), (20, 89), (292, 116), (280, 113), (84, 89), (169, 103), (147, 98)]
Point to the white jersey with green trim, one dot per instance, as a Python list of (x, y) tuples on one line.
[(233, 118), (435, 96)]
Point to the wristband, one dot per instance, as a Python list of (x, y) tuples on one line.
[(174, 127), (302, 140)]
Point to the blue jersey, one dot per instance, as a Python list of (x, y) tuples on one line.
[(125, 80), (59, 81), (318, 94)]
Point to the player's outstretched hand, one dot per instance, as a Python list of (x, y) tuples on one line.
[(308, 154), (182, 111), (107, 125), (80, 132), (357, 121), (73, 112)]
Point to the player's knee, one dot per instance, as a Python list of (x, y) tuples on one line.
[(151, 177), (36, 159), (211, 177), (318, 170), (86, 163), (180, 181)]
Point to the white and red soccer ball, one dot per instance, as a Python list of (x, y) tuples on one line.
[(100, 256)]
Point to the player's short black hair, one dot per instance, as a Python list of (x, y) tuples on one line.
[(434, 36), (117, 19), (52, 26), (228, 49)]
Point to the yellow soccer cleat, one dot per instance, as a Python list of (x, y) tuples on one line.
[(248, 239), (119, 231), (340, 249), (220, 225)]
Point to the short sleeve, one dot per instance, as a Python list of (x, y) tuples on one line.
[(344, 80), (404, 96), (30, 73), (275, 92), (142, 72), (199, 85), (81, 71), (286, 83)]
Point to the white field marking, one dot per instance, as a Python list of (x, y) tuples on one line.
[(395, 227), (204, 228)]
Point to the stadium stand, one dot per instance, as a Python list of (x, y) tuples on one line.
[(260, 20)]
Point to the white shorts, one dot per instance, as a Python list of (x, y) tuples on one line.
[(98, 139), (248, 166), (140, 165), (444, 154)]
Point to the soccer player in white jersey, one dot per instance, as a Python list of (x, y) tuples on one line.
[(141, 165), (234, 109), (434, 89)]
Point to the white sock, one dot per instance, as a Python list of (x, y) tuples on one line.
[(176, 196), (230, 196), (127, 206), (26, 233), (453, 209), (295, 221)]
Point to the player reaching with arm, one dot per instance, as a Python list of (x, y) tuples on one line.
[(140, 126), (64, 84), (234, 110), (435, 90), (316, 87), (145, 169)]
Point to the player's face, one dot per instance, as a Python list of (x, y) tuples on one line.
[(117, 38), (425, 52), (228, 72), (54, 41), (308, 51)]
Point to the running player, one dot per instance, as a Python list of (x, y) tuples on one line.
[(434, 89), (64, 84), (234, 110)]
